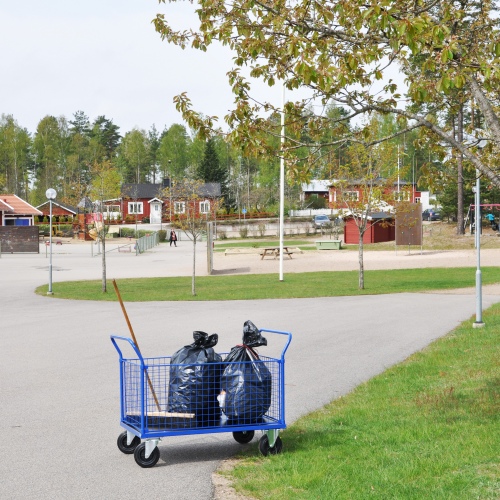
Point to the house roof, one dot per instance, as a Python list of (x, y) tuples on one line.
[(372, 215), (18, 206), (316, 186), (4, 207), (210, 190), (69, 208), (141, 191)]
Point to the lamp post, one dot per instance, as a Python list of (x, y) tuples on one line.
[(170, 191), (477, 219), (51, 195)]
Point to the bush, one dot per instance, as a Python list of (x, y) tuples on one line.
[(244, 232), (162, 235), (127, 232)]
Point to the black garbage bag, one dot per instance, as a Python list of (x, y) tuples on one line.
[(195, 372), (246, 380)]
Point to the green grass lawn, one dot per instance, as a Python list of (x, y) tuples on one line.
[(267, 286), (428, 428)]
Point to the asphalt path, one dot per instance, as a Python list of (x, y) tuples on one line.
[(59, 373)]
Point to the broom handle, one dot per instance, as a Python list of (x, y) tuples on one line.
[(135, 341)]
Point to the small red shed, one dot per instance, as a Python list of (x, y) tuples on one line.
[(379, 228)]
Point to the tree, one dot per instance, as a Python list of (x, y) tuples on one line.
[(369, 170), (135, 156), (339, 52), (15, 145), (153, 145), (189, 194), (173, 152), (46, 148), (105, 139), (105, 185)]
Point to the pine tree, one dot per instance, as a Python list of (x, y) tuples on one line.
[(210, 169)]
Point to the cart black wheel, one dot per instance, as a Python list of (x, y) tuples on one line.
[(127, 448), (140, 454), (265, 449), (243, 437)]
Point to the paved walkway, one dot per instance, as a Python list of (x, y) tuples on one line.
[(59, 372)]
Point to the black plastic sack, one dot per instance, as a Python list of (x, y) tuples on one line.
[(246, 380), (195, 372)]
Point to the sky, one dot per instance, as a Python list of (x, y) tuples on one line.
[(104, 57)]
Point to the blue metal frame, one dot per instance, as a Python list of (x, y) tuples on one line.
[(149, 365)]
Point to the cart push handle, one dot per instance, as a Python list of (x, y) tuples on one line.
[(114, 338), (289, 339)]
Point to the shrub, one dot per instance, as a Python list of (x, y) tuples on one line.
[(162, 235), (221, 234), (244, 232), (127, 232), (262, 229)]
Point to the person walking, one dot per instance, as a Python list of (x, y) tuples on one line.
[(173, 238)]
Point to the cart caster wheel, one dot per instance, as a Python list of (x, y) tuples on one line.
[(128, 449), (265, 449), (139, 455), (243, 437)]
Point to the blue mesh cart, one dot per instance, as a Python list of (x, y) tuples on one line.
[(149, 408)]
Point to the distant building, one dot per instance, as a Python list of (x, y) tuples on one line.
[(59, 210), (146, 201), (16, 212), (315, 189)]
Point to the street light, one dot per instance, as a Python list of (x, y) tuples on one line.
[(477, 223), (51, 195), (170, 191)]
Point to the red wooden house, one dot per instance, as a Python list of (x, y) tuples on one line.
[(61, 212), (148, 202), (356, 192)]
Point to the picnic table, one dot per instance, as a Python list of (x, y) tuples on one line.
[(275, 252)]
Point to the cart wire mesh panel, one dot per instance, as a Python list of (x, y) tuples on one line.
[(159, 398)]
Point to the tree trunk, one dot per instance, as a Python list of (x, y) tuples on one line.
[(103, 260), (361, 262), (460, 174), (193, 284)]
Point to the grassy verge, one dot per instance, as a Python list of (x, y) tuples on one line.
[(427, 428), (267, 286)]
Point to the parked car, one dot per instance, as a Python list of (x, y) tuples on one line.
[(431, 214), (321, 221)]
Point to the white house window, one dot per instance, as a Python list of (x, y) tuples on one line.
[(135, 207), (204, 207), (111, 212), (179, 207), (401, 196), (351, 195)]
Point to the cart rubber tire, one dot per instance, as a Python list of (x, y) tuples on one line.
[(266, 450), (128, 449), (139, 455), (243, 437)]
